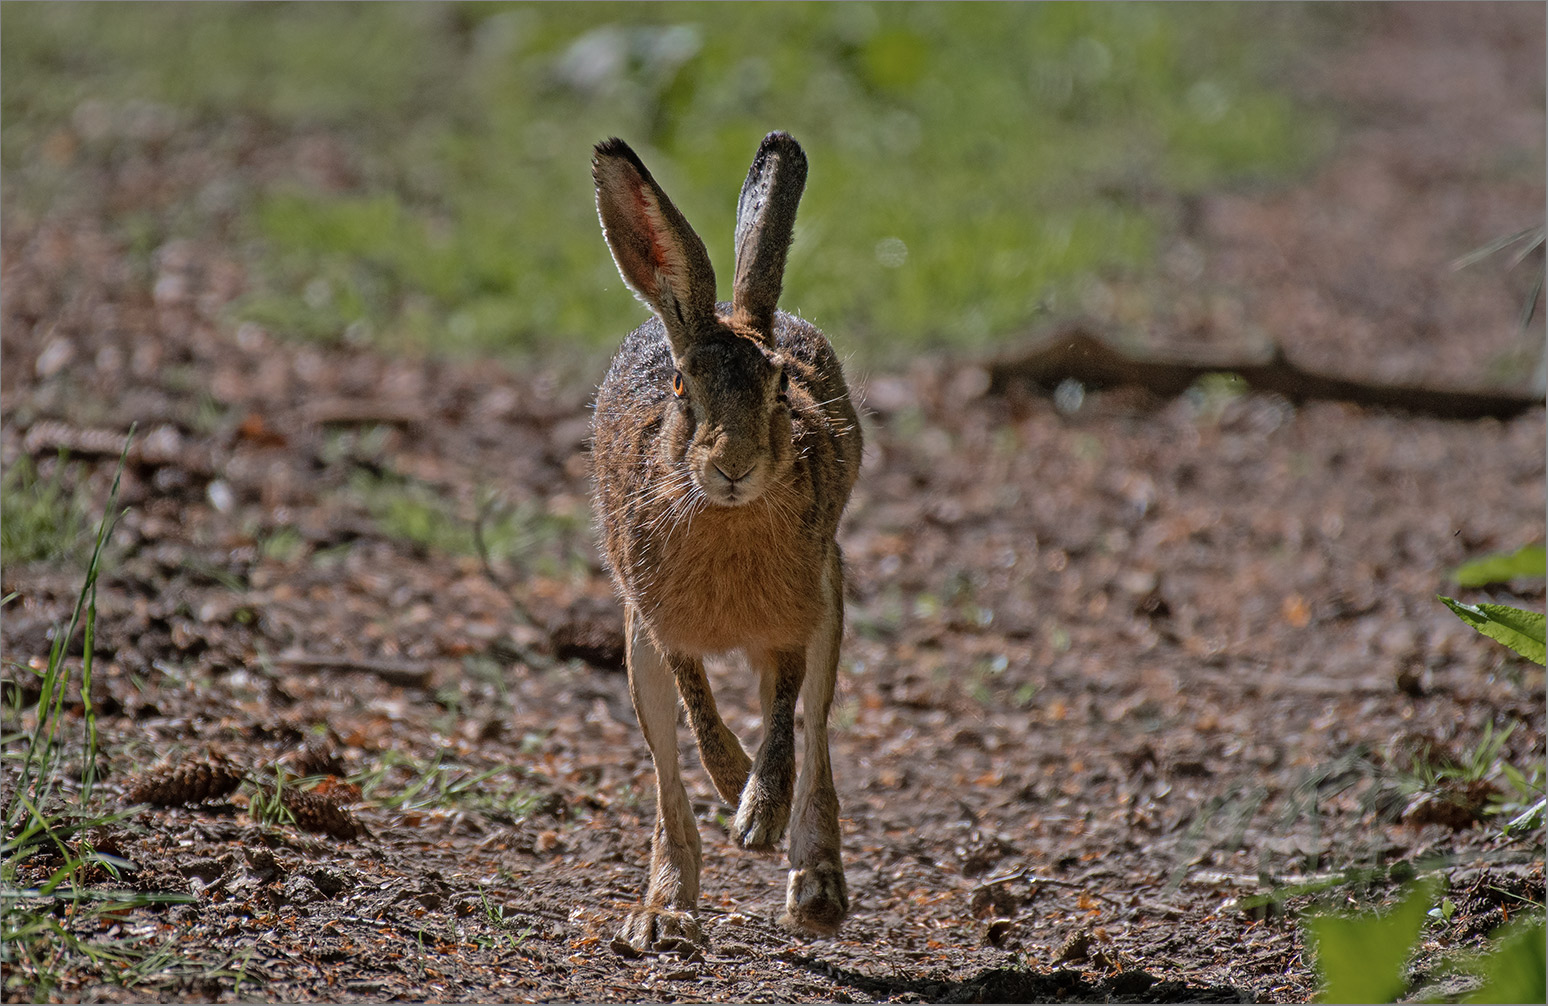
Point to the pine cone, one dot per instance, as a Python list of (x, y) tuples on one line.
[(315, 812), (184, 783), (315, 757)]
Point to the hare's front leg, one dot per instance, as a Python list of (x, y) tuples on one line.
[(818, 899), (719, 749), (765, 806), (665, 917)]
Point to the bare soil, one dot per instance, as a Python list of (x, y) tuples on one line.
[(1110, 670)]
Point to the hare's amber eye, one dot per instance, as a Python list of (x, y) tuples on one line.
[(678, 388)]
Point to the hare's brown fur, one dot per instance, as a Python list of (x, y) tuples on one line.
[(725, 448), (713, 578)]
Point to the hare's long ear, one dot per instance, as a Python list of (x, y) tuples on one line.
[(657, 253), (765, 218)]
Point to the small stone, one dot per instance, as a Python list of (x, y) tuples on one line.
[(55, 357), (1130, 983), (996, 931)]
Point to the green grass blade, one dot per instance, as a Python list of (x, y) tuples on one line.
[(1522, 631), (88, 650), (1502, 567), (1532, 235), (1529, 304), (1530, 819), (37, 761)]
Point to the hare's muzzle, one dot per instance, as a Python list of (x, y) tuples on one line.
[(732, 482)]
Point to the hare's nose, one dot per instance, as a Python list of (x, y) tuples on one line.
[(730, 477)]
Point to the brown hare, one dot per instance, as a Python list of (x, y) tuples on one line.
[(725, 448)]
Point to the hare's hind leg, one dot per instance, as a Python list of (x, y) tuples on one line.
[(817, 899), (764, 810), (719, 749), (665, 917)]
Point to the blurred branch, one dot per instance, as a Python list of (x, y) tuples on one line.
[(1075, 353), (403, 673)]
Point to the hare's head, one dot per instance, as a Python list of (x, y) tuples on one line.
[(728, 420)]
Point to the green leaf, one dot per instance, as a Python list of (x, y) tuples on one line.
[(1514, 971), (1361, 958), (1522, 631), (1502, 567), (1530, 819)]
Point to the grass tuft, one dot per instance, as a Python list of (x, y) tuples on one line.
[(39, 518), (400, 783), (55, 912), (546, 543)]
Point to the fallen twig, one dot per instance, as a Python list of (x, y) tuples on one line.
[(1075, 353), (1032, 878), (404, 673), (362, 411), (162, 446)]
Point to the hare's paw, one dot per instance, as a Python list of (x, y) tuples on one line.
[(650, 930), (817, 899), (761, 819)]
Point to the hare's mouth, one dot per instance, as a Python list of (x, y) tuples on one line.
[(722, 489)]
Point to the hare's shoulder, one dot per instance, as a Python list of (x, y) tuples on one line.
[(816, 367), (635, 390), (801, 343), (798, 339)]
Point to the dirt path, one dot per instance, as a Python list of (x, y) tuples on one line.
[(1108, 670)]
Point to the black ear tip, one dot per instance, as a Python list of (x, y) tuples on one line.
[(779, 142), (782, 149), (614, 147)]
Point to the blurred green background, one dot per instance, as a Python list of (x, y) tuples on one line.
[(974, 167)]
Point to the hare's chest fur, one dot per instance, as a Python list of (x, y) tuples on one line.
[(732, 578)]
